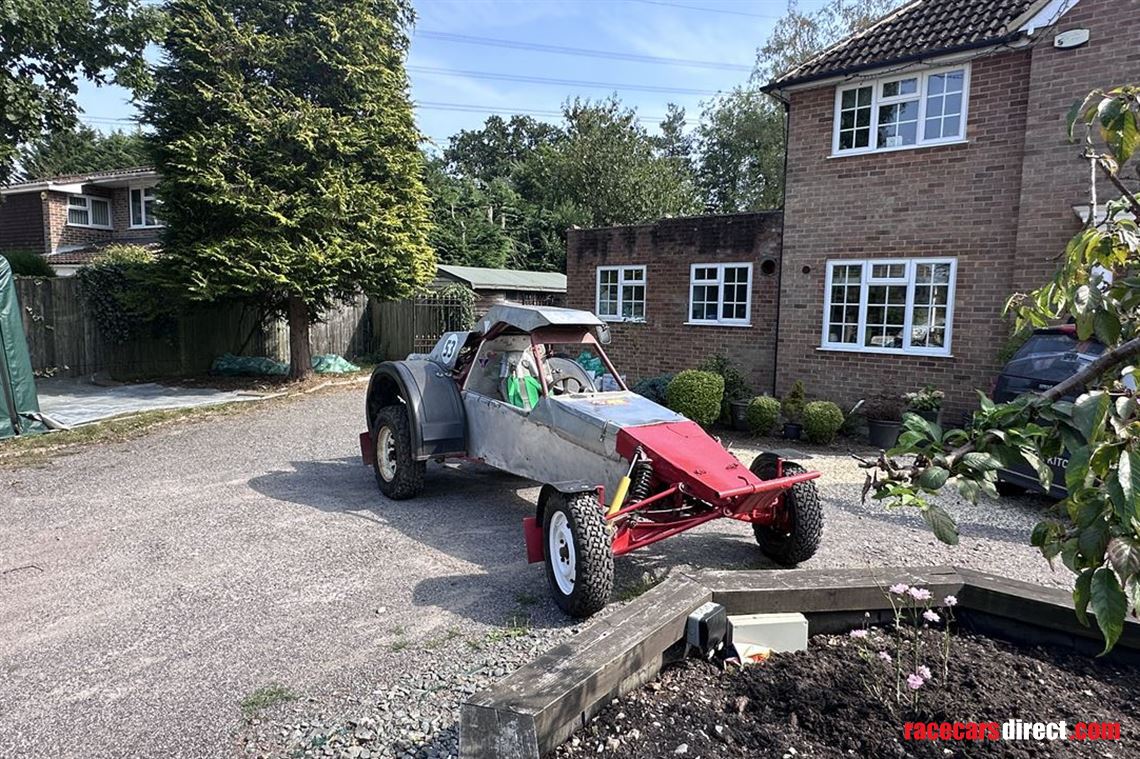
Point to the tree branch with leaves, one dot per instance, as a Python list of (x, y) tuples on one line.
[(1094, 415)]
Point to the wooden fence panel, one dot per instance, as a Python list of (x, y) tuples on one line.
[(64, 340)]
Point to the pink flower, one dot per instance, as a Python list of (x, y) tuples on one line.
[(884, 656), (923, 671), (950, 601), (914, 681), (899, 589), (858, 633), (930, 616), (919, 594)]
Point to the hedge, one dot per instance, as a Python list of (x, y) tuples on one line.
[(697, 395)]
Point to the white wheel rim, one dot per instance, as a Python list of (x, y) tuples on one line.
[(560, 549), (386, 453)]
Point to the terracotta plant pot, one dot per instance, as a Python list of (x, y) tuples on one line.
[(883, 433)]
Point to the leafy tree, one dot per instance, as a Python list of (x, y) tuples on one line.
[(494, 151), (740, 141), (48, 45), (469, 223), (81, 150), (1096, 529), (608, 166), (290, 169)]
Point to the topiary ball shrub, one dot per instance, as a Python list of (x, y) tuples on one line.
[(763, 413), (822, 420), (653, 388), (697, 395)]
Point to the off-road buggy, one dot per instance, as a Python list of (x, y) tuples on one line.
[(531, 391)]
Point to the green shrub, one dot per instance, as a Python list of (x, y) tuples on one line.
[(822, 420), (28, 263), (653, 388), (123, 292), (736, 387), (763, 414), (793, 404), (697, 395)]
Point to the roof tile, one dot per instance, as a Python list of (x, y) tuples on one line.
[(922, 26)]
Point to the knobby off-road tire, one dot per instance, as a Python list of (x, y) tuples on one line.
[(799, 540), (399, 475), (579, 559)]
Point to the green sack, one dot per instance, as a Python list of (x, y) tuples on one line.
[(230, 365), (333, 364)]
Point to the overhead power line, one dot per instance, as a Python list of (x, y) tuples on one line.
[(434, 105), (467, 39), (560, 82), (704, 10)]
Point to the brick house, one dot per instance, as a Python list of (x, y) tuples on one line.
[(67, 219), (928, 178), (680, 290)]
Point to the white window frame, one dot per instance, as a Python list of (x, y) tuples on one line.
[(719, 282), (143, 190), (622, 281), (877, 99), (866, 281), (87, 205)]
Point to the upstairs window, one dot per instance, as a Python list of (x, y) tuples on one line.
[(890, 306), (144, 202), (901, 112), (720, 294), (621, 293), (87, 211)]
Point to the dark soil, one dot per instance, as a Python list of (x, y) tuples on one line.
[(817, 704)]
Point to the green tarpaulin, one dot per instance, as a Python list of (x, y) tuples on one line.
[(19, 407)]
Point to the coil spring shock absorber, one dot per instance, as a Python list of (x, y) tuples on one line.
[(641, 477)]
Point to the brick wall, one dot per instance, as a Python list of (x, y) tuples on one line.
[(954, 200), (1055, 178), (58, 233), (21, 222), (667, 248)]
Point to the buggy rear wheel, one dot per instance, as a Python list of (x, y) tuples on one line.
[(796, 535), (398, 473), (579, 559)]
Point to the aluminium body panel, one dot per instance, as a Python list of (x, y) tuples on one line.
[(507, 438)]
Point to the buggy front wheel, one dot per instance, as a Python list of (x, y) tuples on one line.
[(579, 559), (795, 536)]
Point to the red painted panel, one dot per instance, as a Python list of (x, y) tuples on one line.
[(683, 452)]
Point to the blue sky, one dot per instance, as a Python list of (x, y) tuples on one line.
[(457, 84)]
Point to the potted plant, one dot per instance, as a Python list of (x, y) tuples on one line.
[(792, 408), (884, 421), (927, 403)]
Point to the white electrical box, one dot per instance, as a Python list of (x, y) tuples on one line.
[(1071, 38), (756, 635)]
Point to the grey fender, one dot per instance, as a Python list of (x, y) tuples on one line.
[(566, 487), (435, 410)]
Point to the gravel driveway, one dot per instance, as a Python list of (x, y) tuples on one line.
[(149, 588)]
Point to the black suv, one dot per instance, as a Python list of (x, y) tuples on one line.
[(1048, 357)]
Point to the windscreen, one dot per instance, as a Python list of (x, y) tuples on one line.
[(1053, 357)]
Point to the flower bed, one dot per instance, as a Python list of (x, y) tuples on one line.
[(823, 703)]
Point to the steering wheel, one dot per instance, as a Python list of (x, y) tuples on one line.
[(562, 385)]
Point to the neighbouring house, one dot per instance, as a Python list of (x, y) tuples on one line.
[(929, 177), (491, 286), (68, 219), (680, 290)]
